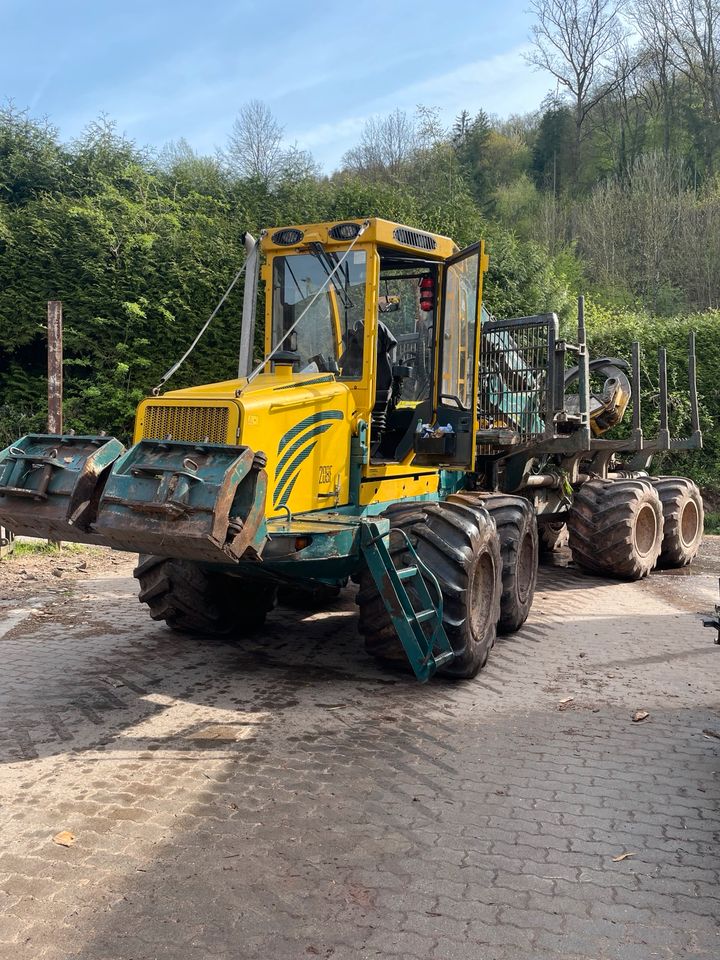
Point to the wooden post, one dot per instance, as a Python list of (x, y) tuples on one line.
[(55, 373), (55, 366)]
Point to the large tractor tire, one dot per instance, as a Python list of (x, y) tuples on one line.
[(616, 527), (381, 640), (518, 534), (191, 600), (684, 517), (461, 547), (553, 536)]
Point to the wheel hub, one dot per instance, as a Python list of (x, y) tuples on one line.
[(481, 594), (689, 523), (645, 530), (525, 567)]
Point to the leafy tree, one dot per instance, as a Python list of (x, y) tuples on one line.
[(574, 40), (551, 163), (471, 140), (31, 160)]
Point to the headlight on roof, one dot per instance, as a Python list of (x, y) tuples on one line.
[(344, 231), (288, 237)]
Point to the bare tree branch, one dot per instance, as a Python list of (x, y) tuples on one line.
[(254, 147), (575, 41), (386, 144)]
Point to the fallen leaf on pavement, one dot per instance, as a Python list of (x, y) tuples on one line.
[(622, 856), (360, 895), (640, 715), (64, 838)]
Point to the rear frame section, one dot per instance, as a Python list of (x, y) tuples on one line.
[(544, 447)]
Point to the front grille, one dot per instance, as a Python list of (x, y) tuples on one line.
[(194, 424)]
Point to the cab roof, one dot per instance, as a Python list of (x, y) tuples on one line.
[(339, 233)]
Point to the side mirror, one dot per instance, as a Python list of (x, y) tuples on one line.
[(388, 304)]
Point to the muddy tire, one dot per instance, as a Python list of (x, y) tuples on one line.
[(616, 527), (684, 518), (191, 600), (461, 547), (463, 551), (552, 536), (518, 534), (381, 640)]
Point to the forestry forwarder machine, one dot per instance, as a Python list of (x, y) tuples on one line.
[(395, 434)]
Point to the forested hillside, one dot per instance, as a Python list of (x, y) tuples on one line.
[(611, 188)]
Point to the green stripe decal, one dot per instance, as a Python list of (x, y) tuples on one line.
[(291, 454), (309, 422), (286, 496), (292, 467), (293, 448)]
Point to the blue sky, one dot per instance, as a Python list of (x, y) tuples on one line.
[(165, 70)]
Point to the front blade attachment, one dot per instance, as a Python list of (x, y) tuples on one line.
[(202, 502), (50, 485)]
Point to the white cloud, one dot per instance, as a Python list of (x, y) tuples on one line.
[(328, 133), (501, 84)]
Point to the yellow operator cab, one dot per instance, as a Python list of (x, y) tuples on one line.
[(350, 333)]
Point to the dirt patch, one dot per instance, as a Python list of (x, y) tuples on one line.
[(27, 574), (710, 551), (692, 588)]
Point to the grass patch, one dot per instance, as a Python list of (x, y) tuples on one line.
[(712, 522), (40, 548)]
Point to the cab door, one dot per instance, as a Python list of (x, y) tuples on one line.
[(456, 370)]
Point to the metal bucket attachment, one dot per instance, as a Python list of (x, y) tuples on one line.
[(50, 485), (202, 502)]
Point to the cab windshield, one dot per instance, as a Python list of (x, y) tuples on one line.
[(329, 338)]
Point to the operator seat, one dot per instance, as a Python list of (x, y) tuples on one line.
[(350, 361), (351, 366), (386, 347)]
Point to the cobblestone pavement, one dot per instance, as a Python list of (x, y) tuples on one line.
[(284, 798)]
